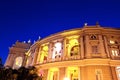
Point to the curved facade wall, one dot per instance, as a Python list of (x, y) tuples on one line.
[(88, 53)]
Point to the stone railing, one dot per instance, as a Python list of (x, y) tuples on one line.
[(76, 57)]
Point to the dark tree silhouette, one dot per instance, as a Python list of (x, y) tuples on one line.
[(1, 65), (7, 73)]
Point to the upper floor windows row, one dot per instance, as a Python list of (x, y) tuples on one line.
[(55, 49)]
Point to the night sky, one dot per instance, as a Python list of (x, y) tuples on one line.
[(27, 19)]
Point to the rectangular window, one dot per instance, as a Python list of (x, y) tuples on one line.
[(115, 52), (94, 49)]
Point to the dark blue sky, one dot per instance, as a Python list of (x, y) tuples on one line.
[(27, 19)]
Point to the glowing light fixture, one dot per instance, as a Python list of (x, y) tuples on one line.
[(66, 78)]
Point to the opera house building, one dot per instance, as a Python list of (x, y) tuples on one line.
[(87, 53)]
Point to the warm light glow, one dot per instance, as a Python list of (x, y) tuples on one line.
[(53, 73), (44, 53), (45, 48), (54, 69), (112, 42), (58, 46), (118, 72), (118, 67), (73, 47), (114, 52), (72, 72), (18, 61), (73, 41), (57, 50), (73, 37), (28, 53), (66, 78)]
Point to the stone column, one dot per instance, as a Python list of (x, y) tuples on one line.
[(39, 55), (87, 47), (35, 56), (82, 47), (62, 73), (79, 50), (102, 48), (64, 48), (50, 51)]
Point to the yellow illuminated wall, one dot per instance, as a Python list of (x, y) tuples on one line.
[(73, 47), (72, 73), (53, 74), (43, 53)]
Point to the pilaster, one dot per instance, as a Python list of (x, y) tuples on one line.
[(50, 51), (106, 47), (82, 47), (35, 56), (64, 48), (87, 47), (102, 48)]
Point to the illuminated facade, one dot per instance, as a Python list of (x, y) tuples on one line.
[(88, 53)]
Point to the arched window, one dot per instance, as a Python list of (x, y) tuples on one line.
[(18, 62), (93, 37), (73, 47), (74, 50), (43, 53), (57, 50)]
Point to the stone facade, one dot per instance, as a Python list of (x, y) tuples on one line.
[(16, 57), (88, 53)]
